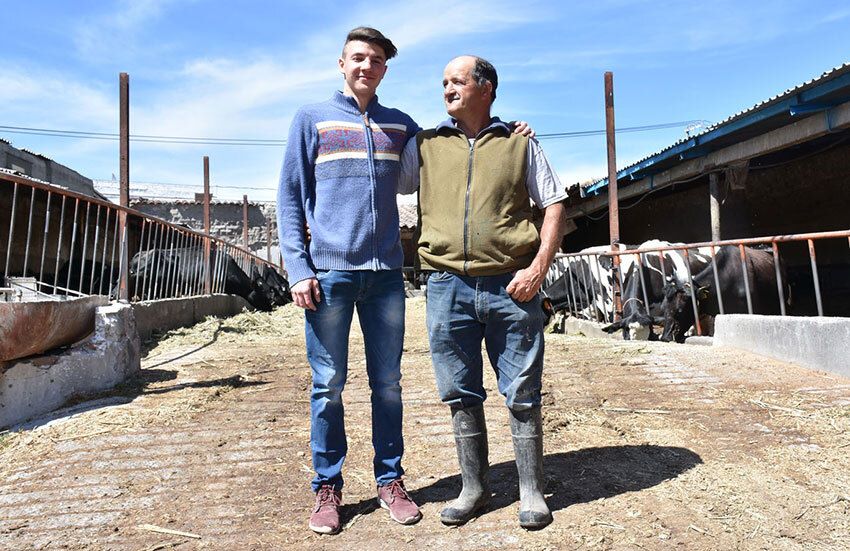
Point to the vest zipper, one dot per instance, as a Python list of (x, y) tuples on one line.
[(466, 211), (370, 153)]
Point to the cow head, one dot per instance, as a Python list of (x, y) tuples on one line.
[(636, 326), (677, 309), (261, 296), (278, 286)]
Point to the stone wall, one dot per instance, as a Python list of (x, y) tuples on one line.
[(225, 220)]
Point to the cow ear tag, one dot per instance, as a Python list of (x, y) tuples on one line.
[(702, 293)]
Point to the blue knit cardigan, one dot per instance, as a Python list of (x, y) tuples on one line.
[(340, 174)]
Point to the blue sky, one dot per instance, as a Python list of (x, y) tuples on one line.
[(240, 69)]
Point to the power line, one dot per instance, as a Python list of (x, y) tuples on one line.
[(80, 134), (622, 130), (251, 142), (165, 184)]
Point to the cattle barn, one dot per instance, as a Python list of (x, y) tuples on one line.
[(780, 167)]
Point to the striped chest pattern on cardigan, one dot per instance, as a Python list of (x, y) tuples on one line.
[(347, 140)]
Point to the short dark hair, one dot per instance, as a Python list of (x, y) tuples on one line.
[(374, 37), (483, 71)]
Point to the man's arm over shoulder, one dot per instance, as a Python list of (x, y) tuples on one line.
[(297, 184)]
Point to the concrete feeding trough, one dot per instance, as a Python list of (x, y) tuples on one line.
[(28, 328), (38, 384)]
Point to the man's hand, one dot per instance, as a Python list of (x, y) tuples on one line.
[(525, 284), (305, 293), (522, 128)]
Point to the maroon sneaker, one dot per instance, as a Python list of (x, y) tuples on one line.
[(394, 497), (325, 516)]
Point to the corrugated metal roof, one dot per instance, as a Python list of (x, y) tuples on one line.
[(31, 152), (146, 201), (727, 128), (27, 177)]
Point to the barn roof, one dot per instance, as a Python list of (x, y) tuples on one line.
[(818, 94)]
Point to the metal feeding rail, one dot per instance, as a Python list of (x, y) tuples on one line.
[(74, 245), (589, 283)]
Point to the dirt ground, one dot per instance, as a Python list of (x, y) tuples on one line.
[(648, 446)]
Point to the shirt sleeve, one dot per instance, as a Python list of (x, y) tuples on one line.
[(542, 182), (408, 180), (297, 183)]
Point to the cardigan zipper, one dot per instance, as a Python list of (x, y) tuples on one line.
[(370, 152)]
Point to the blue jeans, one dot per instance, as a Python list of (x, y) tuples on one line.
[(462, 311), (379, 299)]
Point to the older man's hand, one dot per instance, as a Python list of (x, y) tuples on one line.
[(525, 284), (305, 293), (522, 128)]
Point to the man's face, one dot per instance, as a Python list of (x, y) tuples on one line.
[(364, 65), (460, 91)]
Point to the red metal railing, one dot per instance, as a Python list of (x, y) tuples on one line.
[(586, 279), (81, 240)]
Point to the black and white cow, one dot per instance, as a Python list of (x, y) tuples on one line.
[(643, 288), (677, 307), (151, 271), (584, 283)]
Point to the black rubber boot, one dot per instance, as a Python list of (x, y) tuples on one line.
[(471, 440), (527, 432)]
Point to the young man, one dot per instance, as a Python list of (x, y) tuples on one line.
[(339, 176), (488, 260)]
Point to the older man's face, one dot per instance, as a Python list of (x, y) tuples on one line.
[(463, 96)]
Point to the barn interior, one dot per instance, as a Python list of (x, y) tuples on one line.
[(779, 168)]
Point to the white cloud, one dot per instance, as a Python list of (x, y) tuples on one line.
[(117, 33)]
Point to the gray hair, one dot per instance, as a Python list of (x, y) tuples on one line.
[(483, 71)]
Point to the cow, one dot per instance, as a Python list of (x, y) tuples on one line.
[(277, 286), (153, 270), (584, 283), (677, 307), (643, 288)]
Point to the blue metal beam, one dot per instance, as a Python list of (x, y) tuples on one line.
[(799, 103)]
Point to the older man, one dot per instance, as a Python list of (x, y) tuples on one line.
[(487, 259)]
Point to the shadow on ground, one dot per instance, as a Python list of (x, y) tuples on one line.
[(573, 477), (149, 376), (150, 344)]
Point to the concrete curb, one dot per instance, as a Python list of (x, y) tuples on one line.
[(164, 314), (575, 326), (818, 343)]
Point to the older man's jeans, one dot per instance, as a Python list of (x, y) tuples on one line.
[(379, 300), (462, 311)]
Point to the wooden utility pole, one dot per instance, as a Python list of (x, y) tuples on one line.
[(613, 203)]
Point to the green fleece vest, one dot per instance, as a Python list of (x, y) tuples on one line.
[(474, 211)]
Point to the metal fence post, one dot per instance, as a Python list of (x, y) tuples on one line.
[(245, 222), (124, 157), (207, 268)]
